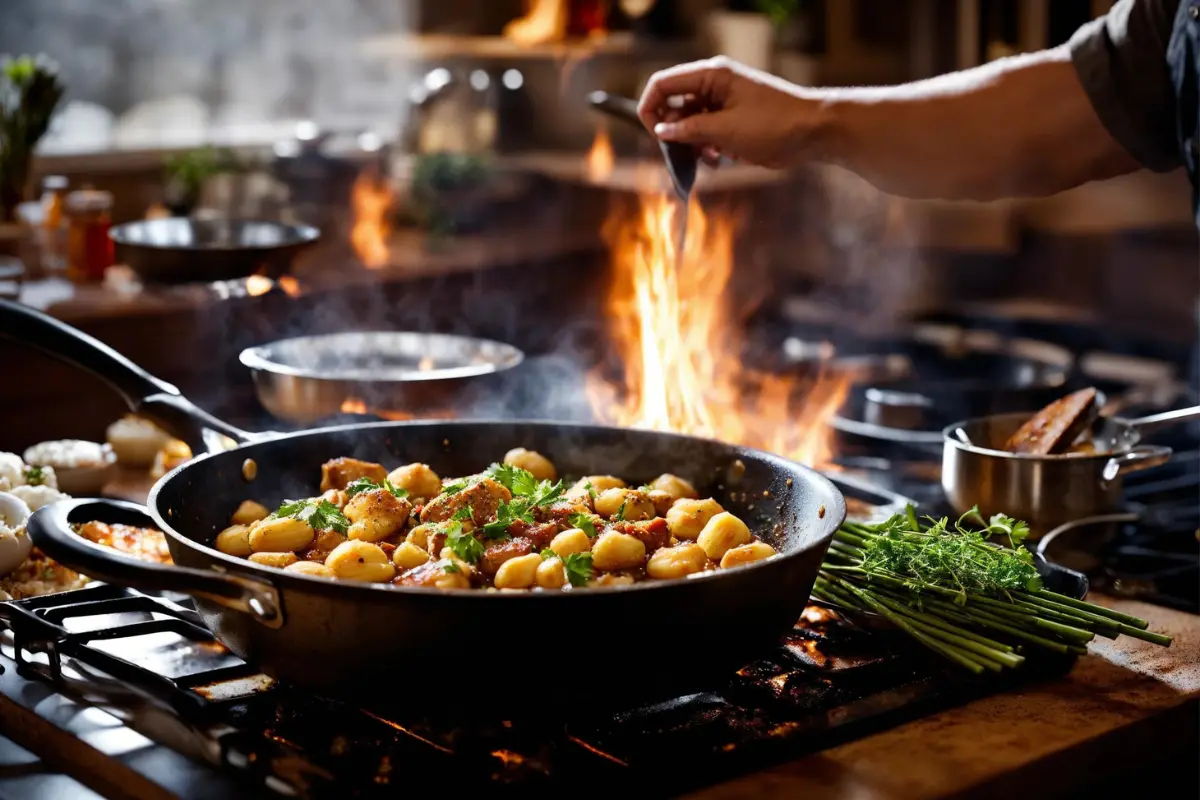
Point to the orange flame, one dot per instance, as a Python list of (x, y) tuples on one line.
[(372, 200), (258, 284), (290, 286), (681, 349), (353, 405), (600, 158), (545, 21)]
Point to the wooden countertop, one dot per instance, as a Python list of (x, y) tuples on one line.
[(1121, 704)]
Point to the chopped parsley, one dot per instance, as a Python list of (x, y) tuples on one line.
[(464, 514), (591, 490), (319, 514), (463, 544), (522, 484), (578, 567), (548, 554), (621, 511), (584, 522), (508, 513), (451, 567), (35, 476), (454, 488), (367, 485)]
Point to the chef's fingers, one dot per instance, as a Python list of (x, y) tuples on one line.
[(711, 129), (711, 156), (706, 81)]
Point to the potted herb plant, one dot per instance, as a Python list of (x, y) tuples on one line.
[(29, 93), (187, 173)]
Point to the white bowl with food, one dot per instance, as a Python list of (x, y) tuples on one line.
[(82, 468), (14, 542), (136, 441)]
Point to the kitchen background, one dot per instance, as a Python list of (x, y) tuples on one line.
[(336, 113)]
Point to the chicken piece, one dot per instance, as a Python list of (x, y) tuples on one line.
[(1053, 429), (439, 574), (339, 473), (483, 497), (376, 514), (496, 553)]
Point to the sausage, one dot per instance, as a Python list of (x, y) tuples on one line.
[(339, 473), (652, 532), (1055, 427), (496, 553)]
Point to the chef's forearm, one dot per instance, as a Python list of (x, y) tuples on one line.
[(1019, 127)]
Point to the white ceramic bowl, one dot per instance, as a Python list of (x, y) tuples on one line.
[(14, 541)]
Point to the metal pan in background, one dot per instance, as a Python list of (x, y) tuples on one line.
[(307, 379), (183, 250), (470, 650), (1052, 490)]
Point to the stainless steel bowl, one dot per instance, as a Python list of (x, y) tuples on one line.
[(401, 374), (1046, 491)]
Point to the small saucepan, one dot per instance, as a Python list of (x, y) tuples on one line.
[(1047, 490)]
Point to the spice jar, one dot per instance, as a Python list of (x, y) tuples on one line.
[(89, 250), (54, 239)]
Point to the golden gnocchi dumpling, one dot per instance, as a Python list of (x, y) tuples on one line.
[(630, 505), (746, 554), (551, 574), (234, 541), (519, 572), (614, 551), (356, 560), (532, 462), (417, 479), (277, 560), (408, 555), (312, 568), (723, 533), (675, 486), (677, 562), (687, 518), (570, 541), (249, 511), (281, 535), (592, 485)]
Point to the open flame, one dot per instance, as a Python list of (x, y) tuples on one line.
[(258, 284), (372, 200), (600, 158), (680, 347), (545, 21)]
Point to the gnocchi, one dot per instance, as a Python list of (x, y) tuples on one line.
[(513, 527)]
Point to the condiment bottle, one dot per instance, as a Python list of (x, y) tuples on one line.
[(54, 240), (89, 250)]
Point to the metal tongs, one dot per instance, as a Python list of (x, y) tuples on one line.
[(682, 160)]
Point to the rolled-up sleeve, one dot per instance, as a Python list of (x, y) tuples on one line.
[(1121, 60)]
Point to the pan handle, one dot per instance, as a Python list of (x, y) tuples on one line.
[(1137, 459), (1145, 425), (143, 393), (50, 530)]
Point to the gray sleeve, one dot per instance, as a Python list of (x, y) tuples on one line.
[(1121, 59)]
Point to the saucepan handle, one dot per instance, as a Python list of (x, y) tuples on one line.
[(50, 530), (143, 393), (1139, 458), (1146, 425)]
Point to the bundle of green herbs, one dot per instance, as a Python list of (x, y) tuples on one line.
[(959, 592)]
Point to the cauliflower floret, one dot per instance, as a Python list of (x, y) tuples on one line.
[(12, 471), (37, 496)]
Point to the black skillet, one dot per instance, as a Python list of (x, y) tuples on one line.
[(501, 652)]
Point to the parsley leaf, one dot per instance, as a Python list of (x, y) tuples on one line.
[(547, 493), (591, 490), (320, 515), (462, 544), (548, 554), (578, 567), (620, 517), (1016, 530), (454, 488), (584, 522), (464, 514), (451, 567), (518, 481), (35, 476), (367, 485), (506, 515)]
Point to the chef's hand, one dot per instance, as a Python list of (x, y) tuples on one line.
[(726, 108)]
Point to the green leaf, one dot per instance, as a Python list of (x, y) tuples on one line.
[(35, 476), (548, 554), (584, 522), (464, 514), (621, 511), (1016, 530), (454, 488), (591, 490), (357, 487), (578, 567), (463, 545), (506, 515), (451, 567), (546, 493), (319, 514)]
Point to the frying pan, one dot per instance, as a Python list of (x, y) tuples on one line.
[(182, 250), (307, 378), (519, 653)]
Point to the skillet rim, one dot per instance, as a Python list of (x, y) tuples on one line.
[(832, 519)]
